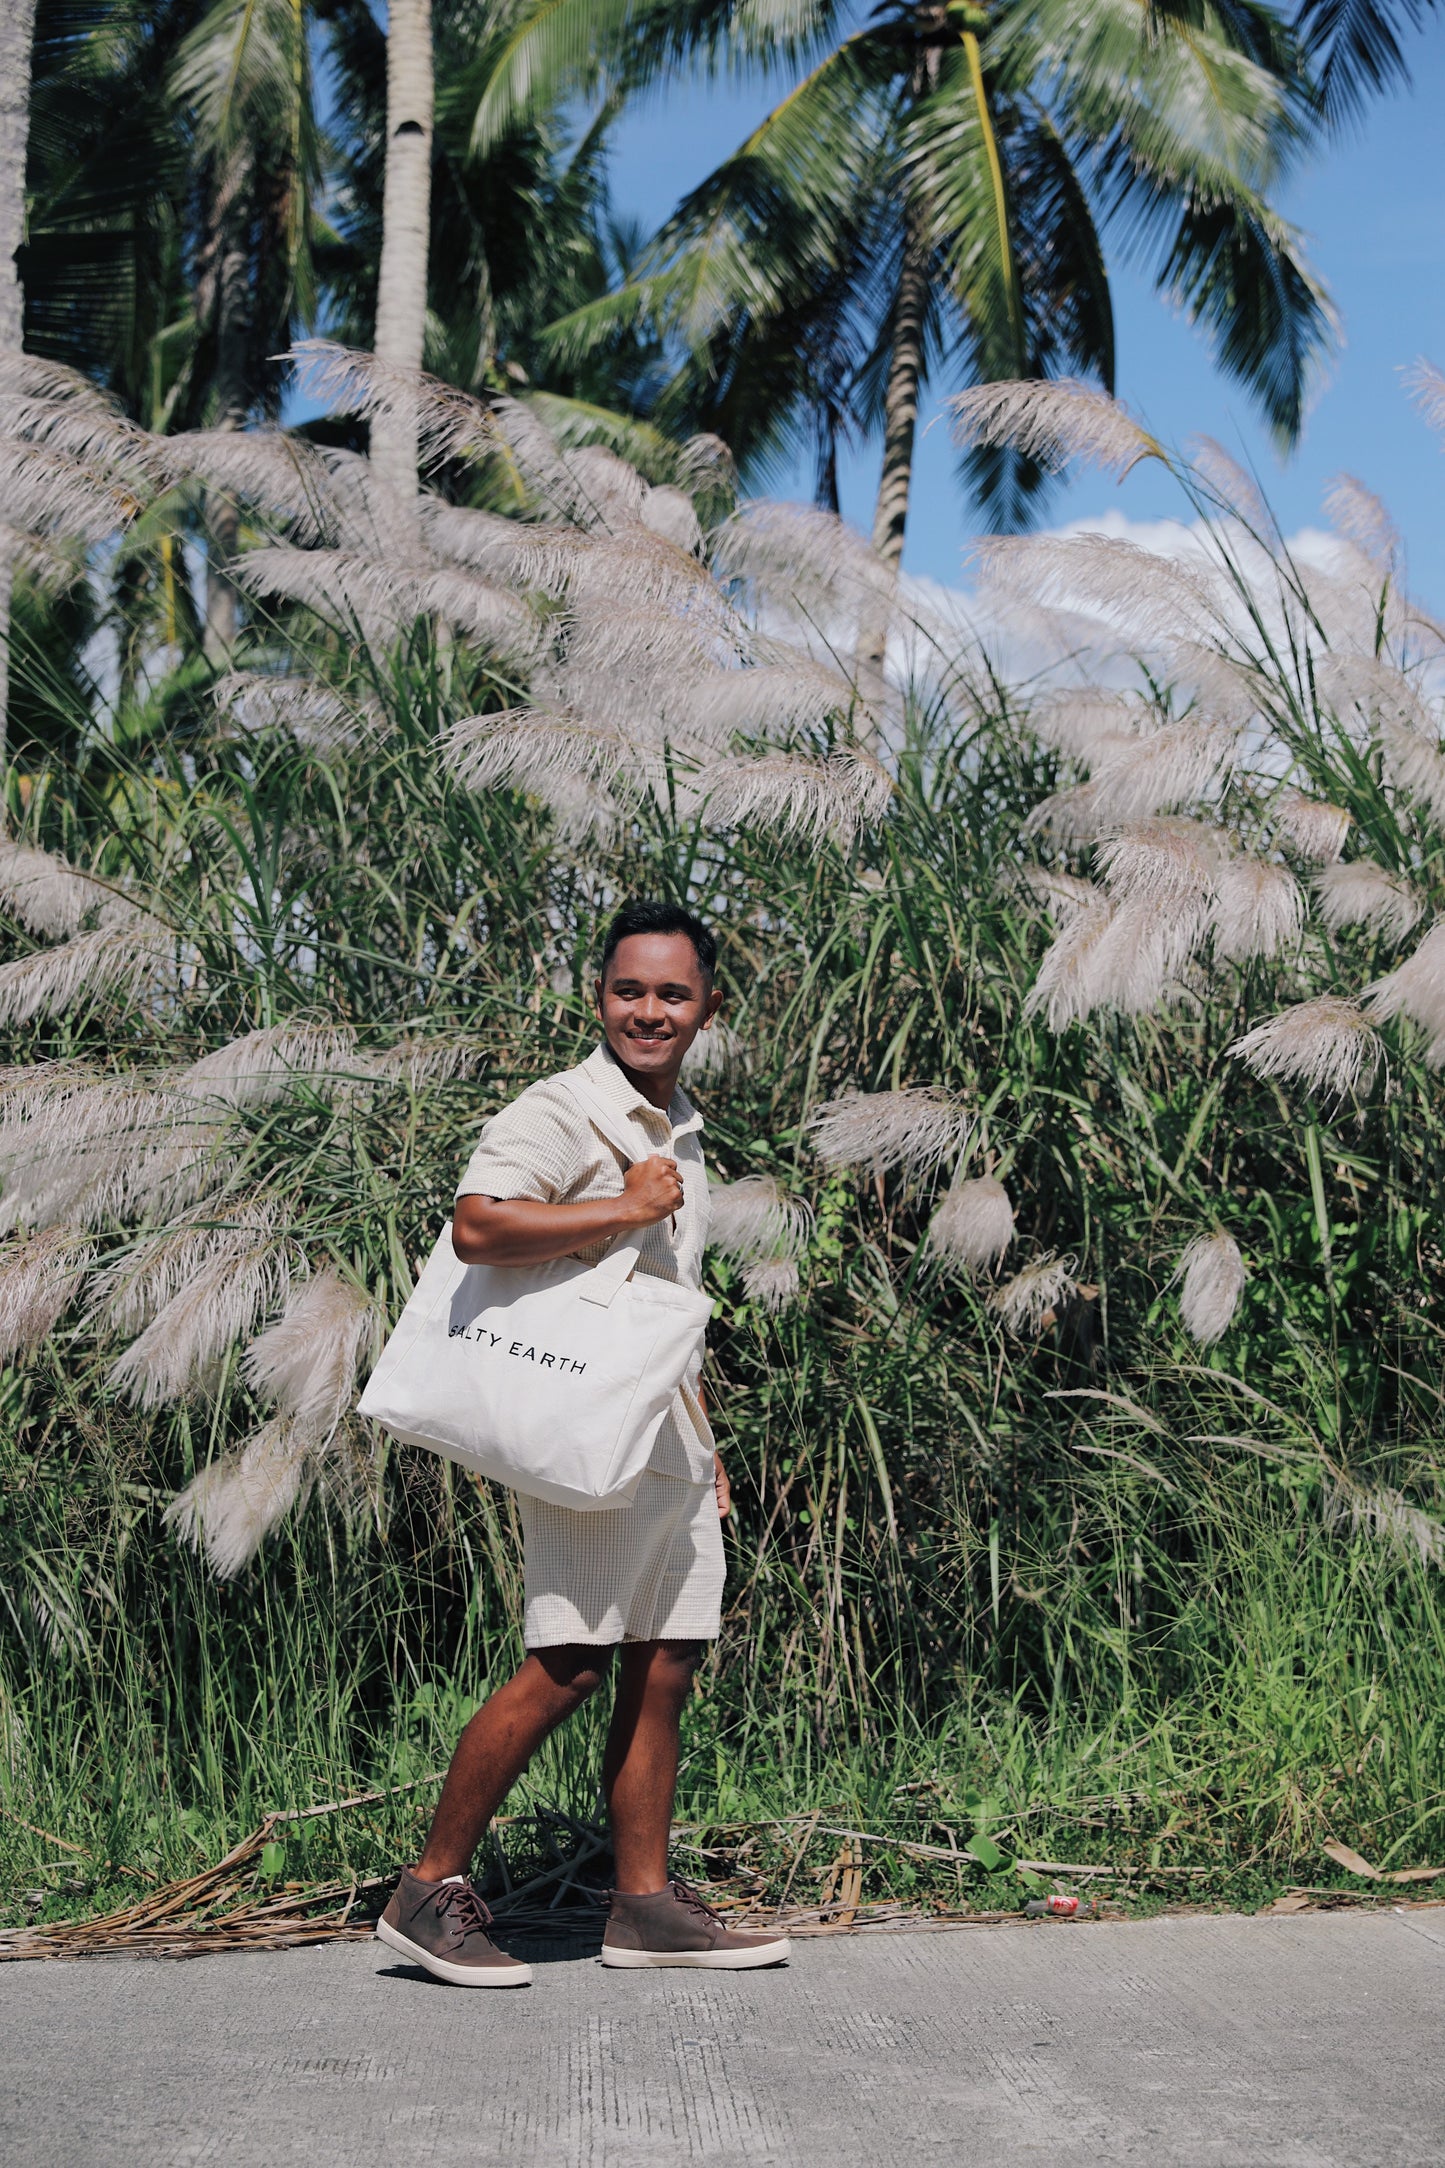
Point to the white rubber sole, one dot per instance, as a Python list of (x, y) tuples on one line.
[(441, 1968), (768, 1953)]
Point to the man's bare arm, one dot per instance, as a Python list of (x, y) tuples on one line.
[(520, 1231)]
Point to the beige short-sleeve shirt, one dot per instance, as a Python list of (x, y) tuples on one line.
[(543, 1146)]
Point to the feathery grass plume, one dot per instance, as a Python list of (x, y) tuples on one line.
[(770, 701), (44, 491), (52, 567), (1067, 816), (210, 1311), (279, 473), (669, 512), (114, 960), (914, 1128), (773, 1283), (1142, 594), (1316, 829), (1357, 513), (533, 749), (259, 1067), (1056, 423), (26, 376), (448, 423), (230, 1508), (631, 567), (1165, 864), (1032, 1299), (309, 710), (1081, 721), (755, 1220), (76, 1147), (137, 1285), (1259, 909), (608, 493), (307, 1361), (92, 431), (485, 613), (1133, 778), (419, 1063), (46, 894), (1426, 387), (39, 1279), (1236, 492), (1389, 1516), (366, 514), (973, 1226), (811, 799), (483, 542), (1113, 957), (715, 1054), (1414, 763), (1213, 1276), (800, 561), (1229, 690), (335, 584), (636, 646), (1325, 1044), (1061, 894), (1416, 989), (1364, 894)]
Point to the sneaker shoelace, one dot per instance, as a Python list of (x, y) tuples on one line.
[(690, 1897), (461, 1898)]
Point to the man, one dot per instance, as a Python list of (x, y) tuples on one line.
[(543, 1184)]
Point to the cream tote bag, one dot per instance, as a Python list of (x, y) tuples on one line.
[(553, 1379)]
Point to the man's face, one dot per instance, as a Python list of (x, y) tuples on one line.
[(654, 1001)]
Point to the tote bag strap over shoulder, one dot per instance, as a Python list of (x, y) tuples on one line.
[(616, 1268)]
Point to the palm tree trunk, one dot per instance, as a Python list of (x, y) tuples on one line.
[(17, 35), (405, 227), (232, 393), (900, 424)]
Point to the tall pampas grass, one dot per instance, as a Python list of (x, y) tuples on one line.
[(1367, 895), (1213, 1279), (1316, 829), (1056, 422), (1033, 1298), (40, 1277), (279, 473), (973, 1226), (138, 1284), (312, 712), (307, 1361), (1327, 1044), (214, 1308), (111, 962), (1258, 909), (448, 423), (913, 1129), (773, 1283), (1143, 595), (814, 800), (259, 1067), (47, 895), (1171, 766), (230, 1508), (718, 1052), (1416, 989), (755, 1219)]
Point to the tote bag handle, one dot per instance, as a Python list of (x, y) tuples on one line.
[(616, 1268)]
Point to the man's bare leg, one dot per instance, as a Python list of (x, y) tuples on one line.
[(639, 1767), (497, 1745)]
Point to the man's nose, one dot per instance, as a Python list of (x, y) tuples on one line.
[(648, 1010)]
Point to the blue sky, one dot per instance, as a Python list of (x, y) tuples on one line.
[(1374, 210)]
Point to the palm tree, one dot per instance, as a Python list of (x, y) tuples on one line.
[(401, 290), (1354, 49), (17, 30), (932, 200)]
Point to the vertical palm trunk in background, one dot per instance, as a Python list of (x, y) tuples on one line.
[(900, 422), (232, 388), (405, 229), (17, 31)]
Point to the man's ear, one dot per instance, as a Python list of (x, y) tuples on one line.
[(714, 1003), (597, 995)]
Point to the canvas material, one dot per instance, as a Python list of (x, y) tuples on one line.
[(553, 1379)]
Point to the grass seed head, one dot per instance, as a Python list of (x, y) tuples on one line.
[(1213, 1274)]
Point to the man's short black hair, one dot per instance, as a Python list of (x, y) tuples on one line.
[(645, 917)]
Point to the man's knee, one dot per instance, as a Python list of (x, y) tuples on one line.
[(574, 1673)]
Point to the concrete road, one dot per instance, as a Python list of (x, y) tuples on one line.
[(1290, 2042)]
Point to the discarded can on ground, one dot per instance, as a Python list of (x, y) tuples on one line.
[(1059, 1908)]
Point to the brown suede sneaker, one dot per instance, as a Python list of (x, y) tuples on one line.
[(443, 1925), (674, 1926)]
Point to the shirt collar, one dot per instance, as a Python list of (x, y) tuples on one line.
[(603, 1065)]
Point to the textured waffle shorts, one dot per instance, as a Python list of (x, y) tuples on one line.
[(651, 1571)]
